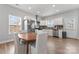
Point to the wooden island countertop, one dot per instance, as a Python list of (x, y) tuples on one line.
[(31, 36)]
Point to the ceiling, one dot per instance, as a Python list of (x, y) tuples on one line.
[(45, 9)]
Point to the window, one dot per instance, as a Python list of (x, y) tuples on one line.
[(14, 24), (50, 23)]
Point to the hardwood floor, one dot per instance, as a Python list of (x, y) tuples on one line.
[(7, 48), (63, 46), (55, 46)]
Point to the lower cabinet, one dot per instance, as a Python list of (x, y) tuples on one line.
[(60, 33), (55, 33), (49, 31)]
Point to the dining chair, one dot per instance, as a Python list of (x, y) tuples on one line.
[(40, 46), (20, 48)]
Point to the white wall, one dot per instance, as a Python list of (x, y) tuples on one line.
[(78, 25), (67, 18), (5, 11), (71, 32)]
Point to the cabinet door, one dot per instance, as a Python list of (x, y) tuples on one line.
[(60, 33), (50, 32), (58, 21)]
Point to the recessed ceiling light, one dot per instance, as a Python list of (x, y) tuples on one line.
[(29, 8), (53, 5), (57, 10)]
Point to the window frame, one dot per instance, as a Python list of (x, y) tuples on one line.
[(20, 19)]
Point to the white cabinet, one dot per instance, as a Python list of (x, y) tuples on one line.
[(43, 22), (49, 31), (58, 21), (60, 33)]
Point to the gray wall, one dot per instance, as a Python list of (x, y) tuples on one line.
[(5, 11), (67, 17)]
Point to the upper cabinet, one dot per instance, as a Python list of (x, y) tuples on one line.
[(43, 22), (58, 21), (52, 22)]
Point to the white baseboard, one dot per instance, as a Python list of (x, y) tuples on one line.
[(2, 42), (72, 38)]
